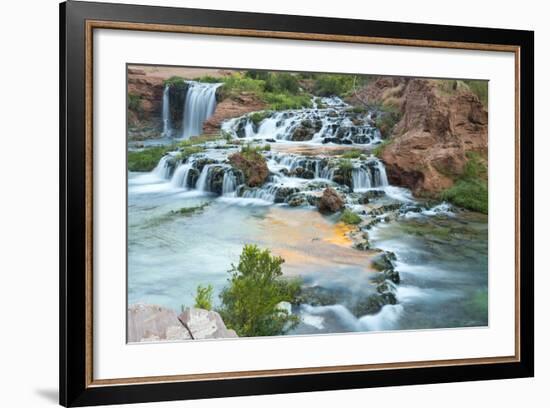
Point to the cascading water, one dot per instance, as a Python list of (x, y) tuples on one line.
[(200, 104), (336, 122), (162, 170), (166, 126), (181, 175), (369, 176), (229, 183)]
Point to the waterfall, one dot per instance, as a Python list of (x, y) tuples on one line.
[(181, 175), (361, 179), (200, 104), (163, 168), (166, 127), (202, 182), (382, 177), (229, 183)]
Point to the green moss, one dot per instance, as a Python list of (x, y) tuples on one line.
[(349, 217), (146, 159), (470, 189), (258, 117), (352, 154)]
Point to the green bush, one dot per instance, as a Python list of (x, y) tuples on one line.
[(250, 302), (349, 217), (377, 151), (175, 82), (481, 89), (386, 120), (255, 74), (282, 82), (209, 79), (470, 189), (333, 84), (146, 159), (203, 297), (237, 83), (134, 102)]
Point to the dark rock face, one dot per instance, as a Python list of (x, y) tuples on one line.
[(305, 130), (283, 193), (330, 201)]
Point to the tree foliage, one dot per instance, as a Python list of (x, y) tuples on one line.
[(250, 302)]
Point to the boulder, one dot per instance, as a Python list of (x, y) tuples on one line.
[(205, 324), (330, 201), (154, 323)]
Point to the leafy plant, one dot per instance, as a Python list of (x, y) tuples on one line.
[(256, 287), (203, 297), (282, 82), (333, 84), (352, 154)]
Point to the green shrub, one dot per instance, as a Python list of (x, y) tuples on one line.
[(377, 151), (175, 82), (481, 89), (255, 74), (146, 159), (134, 102), (250, 302), (237, 83), (470, 190), (209, 79), (386, 120), (345, 164), (203, 297), (349, 217), (282, 82), (333, 84)]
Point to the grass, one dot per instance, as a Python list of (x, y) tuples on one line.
[(481, 89), (349, 217), (147, 159), (345, 164), (175, 82), (195, 140), (352, 154), (187, 211), (377, 151), (470, 190), (187, 151), (284, 101)]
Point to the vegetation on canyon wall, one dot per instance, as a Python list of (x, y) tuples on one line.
[(470, 189)]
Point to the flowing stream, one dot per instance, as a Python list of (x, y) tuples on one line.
[(440, 252)]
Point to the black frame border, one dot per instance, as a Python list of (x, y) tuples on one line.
[(72, 124)]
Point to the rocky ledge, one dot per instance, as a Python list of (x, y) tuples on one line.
[(156, 323)]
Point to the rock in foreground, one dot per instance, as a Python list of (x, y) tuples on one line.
[(330, 201), (157, 323)]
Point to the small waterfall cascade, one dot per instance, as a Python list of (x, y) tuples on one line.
[(181, 175), (203, 181), (373, 174), (200, 104), (166, 126), (162, 170), (330, 121), (229, 185)]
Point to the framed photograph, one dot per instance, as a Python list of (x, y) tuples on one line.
[(256, 204)]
